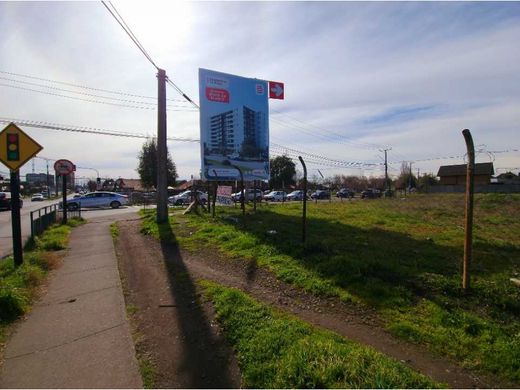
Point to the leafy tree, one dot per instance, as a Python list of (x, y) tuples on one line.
[(426, 181), (147, 168), (283, 171), (406, 178)]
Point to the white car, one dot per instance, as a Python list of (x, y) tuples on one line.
[(276, 196), (185, 198), (37, 197), (250, 195)]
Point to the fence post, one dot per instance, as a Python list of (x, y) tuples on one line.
[(32, 225), (468, 223), (304, 218)]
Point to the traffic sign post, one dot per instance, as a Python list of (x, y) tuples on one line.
[(16, 148), (64, 168)]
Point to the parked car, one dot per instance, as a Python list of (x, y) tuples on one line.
[(345, 193), (185, 198), (276, 196), (5, 201), (320, 194), (37, 197), (96, 199), (250, 195), (295, 195), (370, 193)]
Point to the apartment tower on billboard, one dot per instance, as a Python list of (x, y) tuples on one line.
[(238, 133)]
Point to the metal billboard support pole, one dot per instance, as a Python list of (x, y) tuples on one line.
[(468, 223), (304, 218)]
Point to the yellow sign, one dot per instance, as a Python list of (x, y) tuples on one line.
[(16, 147)]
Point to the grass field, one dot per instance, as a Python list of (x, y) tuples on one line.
[(276, 350), (401, 256)]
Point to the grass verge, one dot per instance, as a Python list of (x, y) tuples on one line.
[(276, 350), (402, 257), (18, 285)]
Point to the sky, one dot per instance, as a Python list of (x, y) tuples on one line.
[(360, 77)]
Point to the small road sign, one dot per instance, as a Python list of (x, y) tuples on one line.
[(276, 90), (16, 147), (64, 167)]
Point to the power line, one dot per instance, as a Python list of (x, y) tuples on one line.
[(332, 133), (83, 93), (128, 31), (84, 86), (88, 130), (90, 100)]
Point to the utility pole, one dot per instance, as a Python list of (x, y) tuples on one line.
[(410, 182), (162, 149), (387, 187)]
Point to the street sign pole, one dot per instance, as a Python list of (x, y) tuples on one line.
[(15, 218), (64, 194)]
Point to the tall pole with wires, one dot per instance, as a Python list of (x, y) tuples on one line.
[(387, 185), (162, 149)]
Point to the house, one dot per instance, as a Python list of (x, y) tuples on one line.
[(456, 174), (132, 185)]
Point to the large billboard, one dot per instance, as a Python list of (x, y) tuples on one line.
[(234, 126)]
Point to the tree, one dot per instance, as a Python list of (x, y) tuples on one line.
[(406, 178), (147, 168), (283, 171)]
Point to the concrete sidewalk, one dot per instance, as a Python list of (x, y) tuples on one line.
[(77, 335)]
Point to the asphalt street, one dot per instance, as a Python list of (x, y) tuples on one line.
[(6, 240)]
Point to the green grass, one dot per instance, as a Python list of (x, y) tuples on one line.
[(18, 284), (276, 350), (114, 230), (403, 257)]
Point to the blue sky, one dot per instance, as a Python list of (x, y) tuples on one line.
[(359, 76)]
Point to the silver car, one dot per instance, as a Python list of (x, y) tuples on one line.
[(97, 199)]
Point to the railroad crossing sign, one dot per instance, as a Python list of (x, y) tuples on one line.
[(16, 147)]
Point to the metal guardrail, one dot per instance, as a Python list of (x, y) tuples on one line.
[(46, 216)]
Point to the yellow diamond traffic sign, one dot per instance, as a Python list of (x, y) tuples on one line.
[(16, 147)]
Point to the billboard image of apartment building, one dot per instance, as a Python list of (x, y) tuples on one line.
[(238, 133), (234, 127)]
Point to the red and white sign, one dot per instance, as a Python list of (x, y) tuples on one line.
[(64, 167), (217, 95), (276, 90)]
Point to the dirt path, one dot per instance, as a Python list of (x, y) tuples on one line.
[(186, 343)]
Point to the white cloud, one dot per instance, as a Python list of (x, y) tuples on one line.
[(349, 68)]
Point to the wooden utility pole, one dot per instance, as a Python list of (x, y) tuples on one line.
[(162, 149), (468, 223), (387, 186)]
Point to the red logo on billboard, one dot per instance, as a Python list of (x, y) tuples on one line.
[(276, 90), (217, 95)]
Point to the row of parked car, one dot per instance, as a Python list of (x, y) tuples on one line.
[(186, 197)]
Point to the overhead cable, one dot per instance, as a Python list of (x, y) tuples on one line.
[(84, 93), (91, 100), (89, 130), (119, 19), (84, 86)]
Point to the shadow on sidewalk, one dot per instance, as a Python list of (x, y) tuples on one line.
[(206, 357)]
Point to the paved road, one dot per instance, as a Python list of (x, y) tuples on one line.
[(6, 240)]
